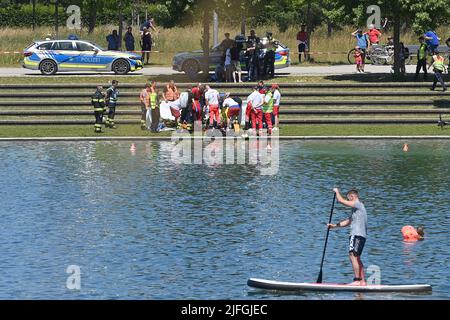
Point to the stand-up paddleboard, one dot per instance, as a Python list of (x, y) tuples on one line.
[(298, 286)]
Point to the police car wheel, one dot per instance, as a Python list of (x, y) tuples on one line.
[(48, 67), (121, 66)]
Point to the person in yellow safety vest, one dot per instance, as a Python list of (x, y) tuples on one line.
[(98, 101), (438, 68), (112, 95), (267, 109), (154, 105), (144, 98)]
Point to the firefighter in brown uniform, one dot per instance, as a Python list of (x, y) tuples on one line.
[(98, 101)]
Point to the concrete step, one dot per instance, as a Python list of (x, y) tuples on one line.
[(356, 102), (135, 94), (282, 122), (23, 113)]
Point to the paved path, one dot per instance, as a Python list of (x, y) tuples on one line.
[(152, 71)]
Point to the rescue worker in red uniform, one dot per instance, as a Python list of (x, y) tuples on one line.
[(196, 106)]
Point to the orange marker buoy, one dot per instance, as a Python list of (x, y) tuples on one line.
[(411, 234), (405, 147)]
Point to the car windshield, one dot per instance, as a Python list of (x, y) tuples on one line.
[(96, 45), (44, 45)]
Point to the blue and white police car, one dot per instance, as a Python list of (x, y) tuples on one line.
[(51, 56)]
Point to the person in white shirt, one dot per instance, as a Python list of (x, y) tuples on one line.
[(255, 101), (212, 102), (276, 104), (233, 106), (175, 109)]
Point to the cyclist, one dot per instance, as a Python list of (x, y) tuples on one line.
[(432, 40), (362, 41)]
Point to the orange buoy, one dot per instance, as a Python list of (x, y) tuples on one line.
[(410, 233)]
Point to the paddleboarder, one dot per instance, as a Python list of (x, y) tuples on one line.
[(358, 232)]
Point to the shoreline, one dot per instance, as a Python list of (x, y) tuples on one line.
[(167, 138)]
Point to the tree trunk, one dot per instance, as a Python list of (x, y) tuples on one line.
[(92, 16), (243, 23), (329, 28), (56, 18), (120, 24), (205, 42), (308, 27), (397, 44), (215, 28), (34, 14)]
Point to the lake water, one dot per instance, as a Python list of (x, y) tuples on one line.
[(141, 227)]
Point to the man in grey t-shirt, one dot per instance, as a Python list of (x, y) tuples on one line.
[(358, 232)]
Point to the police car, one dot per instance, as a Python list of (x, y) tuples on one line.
[(51, 56)]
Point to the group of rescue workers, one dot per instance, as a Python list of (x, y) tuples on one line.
[(198, 107)]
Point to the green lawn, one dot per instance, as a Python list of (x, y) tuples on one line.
[(287, 130)]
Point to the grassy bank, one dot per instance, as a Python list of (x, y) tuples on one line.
[(170, 41), (291, 130)]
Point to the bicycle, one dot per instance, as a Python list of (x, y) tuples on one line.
[(378, 55)]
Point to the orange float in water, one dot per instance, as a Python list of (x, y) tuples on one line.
[(410, 234)]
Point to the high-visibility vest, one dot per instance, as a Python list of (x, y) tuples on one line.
[(438, 63), (422, 52), (112, 95), (268, 106), (153, 99)]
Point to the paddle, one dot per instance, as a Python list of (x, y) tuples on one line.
[(319, 278)]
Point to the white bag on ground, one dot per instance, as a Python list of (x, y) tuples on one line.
[(164, 110)]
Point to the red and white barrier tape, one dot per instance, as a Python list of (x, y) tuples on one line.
[(165, 52)]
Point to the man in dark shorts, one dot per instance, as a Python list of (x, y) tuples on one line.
[(302, 41), (358, 232)]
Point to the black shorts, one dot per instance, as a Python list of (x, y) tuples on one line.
[(302, 47), (356, 245)]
